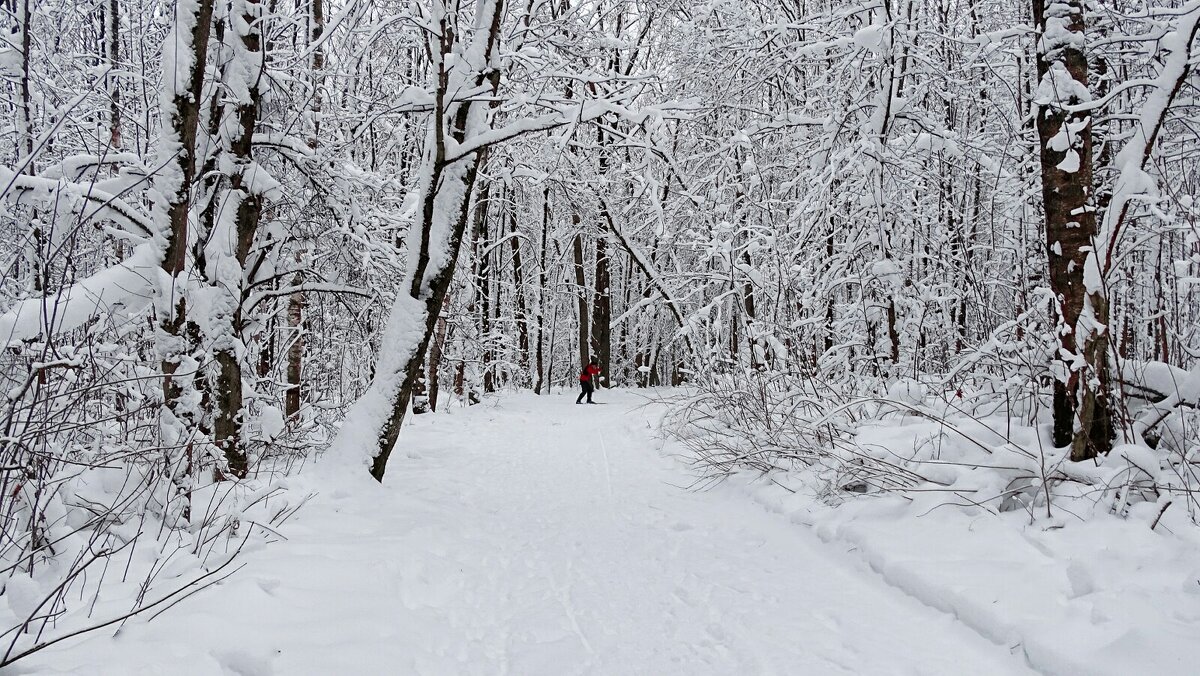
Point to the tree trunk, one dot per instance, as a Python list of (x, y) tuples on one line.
[(420, 395), (177, 342), (25, 109), (581, 291), (483, 287), (542, 281), (1066, 163), (112, 48), (22, 37), (295, 353), (179, 145), (434, 363), (830, 297), (602, 313), (444, 210), (521, 312), (247, 206), (297, 303)]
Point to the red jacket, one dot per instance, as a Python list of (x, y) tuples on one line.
[(589, 371)]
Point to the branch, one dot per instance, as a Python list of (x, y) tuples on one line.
[(317, 287), (46, 644)]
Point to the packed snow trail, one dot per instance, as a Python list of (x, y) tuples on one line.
[(533, 536)]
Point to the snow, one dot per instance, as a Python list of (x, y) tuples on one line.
[(1075, 587), (887, 271), (534, 536), (871, 37), (124, 288), (907, 391), (271, 422), (1133, 180), (1058, 88), (1070, 162), (88, 200)]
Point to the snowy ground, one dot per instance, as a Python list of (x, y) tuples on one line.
[(532, 536)]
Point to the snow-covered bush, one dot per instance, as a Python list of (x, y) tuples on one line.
[(935, 446), (99, 519)]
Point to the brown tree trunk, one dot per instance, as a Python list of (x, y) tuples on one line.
[(182, 121), (177, 338), (227, 423), (829, 299), (25, 113), (112, 45), (295, 353), (430, 284), (22, 35), (748, 310), (484, 289), (542, 281), (582, 295), (1070, 229), (266, 350), (420, 393), (602, 313), (521, 311), (435, 361), (297, 303)]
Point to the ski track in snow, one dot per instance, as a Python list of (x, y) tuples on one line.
[(534, 536)]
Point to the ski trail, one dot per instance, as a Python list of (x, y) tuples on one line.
[(495, 546), (607, 464), (564, 599)]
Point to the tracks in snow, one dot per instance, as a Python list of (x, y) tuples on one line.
[(533, 537)]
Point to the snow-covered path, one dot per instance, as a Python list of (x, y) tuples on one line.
[(533, 536)]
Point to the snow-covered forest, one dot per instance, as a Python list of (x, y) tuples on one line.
[(921, 276)]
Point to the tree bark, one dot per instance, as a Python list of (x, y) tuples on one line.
[(581, 291), (521, 312), (454, 179), (177, 340), (483, 286), (297, 303), (542, 281), (227, 423), (295, 353), (111, 30), (434, 363), (602, 312), (25, 110), (1079, 396), (420, 395), (180, 142)]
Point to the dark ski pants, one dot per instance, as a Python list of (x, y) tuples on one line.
[(587, 391)]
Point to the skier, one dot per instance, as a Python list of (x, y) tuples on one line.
[(586, 380)]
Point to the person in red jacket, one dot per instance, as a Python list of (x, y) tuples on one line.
[(587, 380)]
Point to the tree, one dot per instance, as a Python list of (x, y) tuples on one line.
[(1081, 409)]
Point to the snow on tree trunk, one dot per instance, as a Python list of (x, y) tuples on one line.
[(521, 314), (433, 369), (602, 313), (235, 226), (543, 253), (1081, 406), (448, 177), (582, 295), (184, 56), (1132, 183)]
